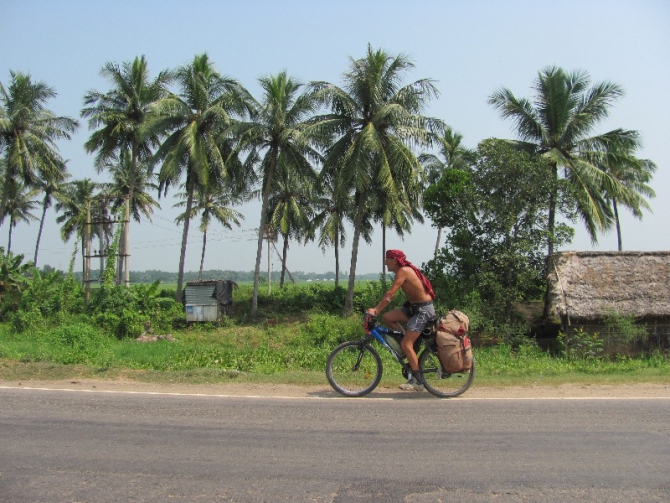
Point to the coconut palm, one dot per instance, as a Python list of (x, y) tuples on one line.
[(558, 125), (73, 210), (333, 209), (141, 178), (52, 189), (397, 212), (120, 117), (115, 194), (20, 203), (376, 121), (451, 154), (633, 174), (194, 122), (290, 209), (277, 128), (213, 204), (28, 133)]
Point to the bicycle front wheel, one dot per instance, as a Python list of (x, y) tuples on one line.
[(441, 383), (354, 368)]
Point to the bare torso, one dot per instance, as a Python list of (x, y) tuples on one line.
[(411, 285)]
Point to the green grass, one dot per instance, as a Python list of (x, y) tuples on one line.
[(292, 351)]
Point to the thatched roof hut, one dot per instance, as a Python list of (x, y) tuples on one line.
[(588, 286)]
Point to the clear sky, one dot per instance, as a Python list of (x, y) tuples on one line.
[(469, 48)]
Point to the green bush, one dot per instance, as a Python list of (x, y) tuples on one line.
[(327, 330), (580, 344), (78, 343), (26, 321)]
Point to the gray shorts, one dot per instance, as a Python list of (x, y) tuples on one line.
[(418, 314)]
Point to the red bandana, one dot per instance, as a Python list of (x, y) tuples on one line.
[(402, 261)]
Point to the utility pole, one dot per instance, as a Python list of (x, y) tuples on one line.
[(269, 262), (126, 233), (122, 257), (87, 254)]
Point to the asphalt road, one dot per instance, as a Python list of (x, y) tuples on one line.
[(64, 446)]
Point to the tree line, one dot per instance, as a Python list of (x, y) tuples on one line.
[(319, 155)]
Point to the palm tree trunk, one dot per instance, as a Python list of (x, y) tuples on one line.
[(550, 247), (618, 224), (269, 264), (261, 227), (126, 248), (126, 233), (283, 261), (9, 238), (383, 246), (337, 259), (184, 237), (437, 243), (349, 301), (202, 257), (39, 233), (83, 261), (551, 224), (5, 198)]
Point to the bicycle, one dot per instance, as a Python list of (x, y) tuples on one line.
[(354, 368)]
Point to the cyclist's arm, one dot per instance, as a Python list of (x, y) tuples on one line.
[(400, 278)]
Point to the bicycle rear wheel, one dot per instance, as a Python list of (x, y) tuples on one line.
[(354, 368), (441, 383)]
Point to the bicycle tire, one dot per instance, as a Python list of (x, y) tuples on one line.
[(354, 368), (440, 383)]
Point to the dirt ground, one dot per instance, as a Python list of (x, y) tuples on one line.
[(564, 391)]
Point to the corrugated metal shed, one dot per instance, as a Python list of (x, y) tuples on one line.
[(207, 301)]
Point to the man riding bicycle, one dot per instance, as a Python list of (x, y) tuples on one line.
[(416, 312)]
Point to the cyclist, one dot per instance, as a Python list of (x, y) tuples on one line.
[(415, 312)]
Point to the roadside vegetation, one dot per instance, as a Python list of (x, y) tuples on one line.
[(53, 334)]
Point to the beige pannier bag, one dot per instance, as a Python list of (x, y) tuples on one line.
[(453, 345)]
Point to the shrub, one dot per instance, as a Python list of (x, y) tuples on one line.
[(79, 343), (26, 321), (580, 344), (327, 330)]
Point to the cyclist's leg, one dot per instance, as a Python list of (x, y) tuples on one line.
[(415, 326), (415, 382), (393, 318), (407, 345)]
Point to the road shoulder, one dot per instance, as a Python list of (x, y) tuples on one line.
[(288, 390)]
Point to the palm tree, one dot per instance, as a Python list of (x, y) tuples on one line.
[(213, 204), (121, 116), (142, 180), (195, 122), (20, 203), (397, 212), (333, 209), (28, 133), (73, 206), (451, 154), (633, 174), (277, 128), (115, 194), (377, 122), (290, 209), (557, 125), (52, 189)]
